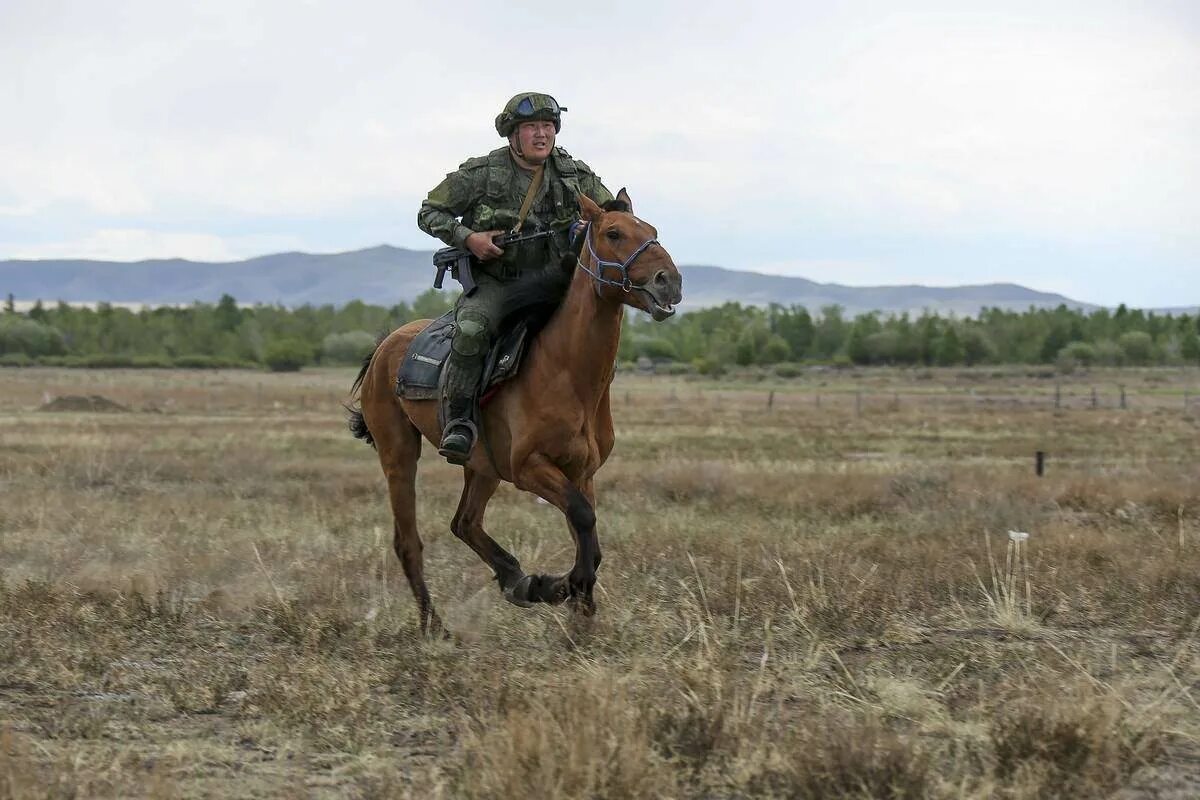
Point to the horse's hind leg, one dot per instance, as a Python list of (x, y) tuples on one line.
[(468, 526), (399, 461)]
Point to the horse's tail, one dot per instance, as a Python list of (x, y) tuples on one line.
[(358, 425)]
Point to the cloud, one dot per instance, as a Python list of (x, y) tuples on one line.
[(849, 123), (26, 209)]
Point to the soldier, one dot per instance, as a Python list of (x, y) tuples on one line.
[(528, 185)]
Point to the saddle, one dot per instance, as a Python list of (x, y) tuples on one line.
[(420, 374)]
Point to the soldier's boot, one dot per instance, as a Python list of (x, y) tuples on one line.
[(458, 438), (463, 372)]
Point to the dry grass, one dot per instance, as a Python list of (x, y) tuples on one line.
[(1087, 744), (199, 600)]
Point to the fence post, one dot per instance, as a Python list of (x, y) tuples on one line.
[(1123, 406), (858, 403), (1039, 465), (770, 399), (1058, 395), (1095, 398)]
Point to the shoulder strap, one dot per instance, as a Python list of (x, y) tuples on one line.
[(534, 184)]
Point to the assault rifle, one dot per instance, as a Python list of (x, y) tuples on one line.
[(459, 261)]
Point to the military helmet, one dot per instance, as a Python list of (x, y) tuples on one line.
[(527, 107)]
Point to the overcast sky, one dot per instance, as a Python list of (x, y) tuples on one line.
[(1052, 144)]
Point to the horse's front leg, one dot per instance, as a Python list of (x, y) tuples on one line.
[(582, 577), (540, 476)]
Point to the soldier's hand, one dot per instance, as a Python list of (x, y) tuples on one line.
[(482, 247)]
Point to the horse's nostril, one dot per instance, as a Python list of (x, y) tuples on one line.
[(660, 279)]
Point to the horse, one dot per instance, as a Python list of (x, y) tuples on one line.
[(547, 430)]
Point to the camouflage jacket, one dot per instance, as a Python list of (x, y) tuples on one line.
[(486, 193)]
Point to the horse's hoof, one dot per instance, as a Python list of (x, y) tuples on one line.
[(518, 594), (436, 629), (559, 590)]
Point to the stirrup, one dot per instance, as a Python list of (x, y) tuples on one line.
[(457, 440)]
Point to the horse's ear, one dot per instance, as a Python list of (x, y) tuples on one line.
[(623, 196), (588, 208)]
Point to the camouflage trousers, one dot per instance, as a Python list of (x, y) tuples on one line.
[(476, 321)]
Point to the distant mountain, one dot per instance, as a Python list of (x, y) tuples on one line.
[(705, 286), (385, 275), (382, 275)]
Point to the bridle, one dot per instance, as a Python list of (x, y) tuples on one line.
[(625, 284)]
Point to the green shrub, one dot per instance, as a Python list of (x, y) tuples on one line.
[(212, 362), (1109, 353), (977, 347), (710, 367), (196, 361), (15, 360), (152, 362), (788, 370), (104, 360), (1076, 354), (19, 334), (346, 348), (1189, 347), (287, 355), (841, 361), (775, 350), (656, 349), (1138, 347)]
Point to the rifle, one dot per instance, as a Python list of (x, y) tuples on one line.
[(459, 261)]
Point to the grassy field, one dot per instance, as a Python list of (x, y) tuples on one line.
[(819, 598)]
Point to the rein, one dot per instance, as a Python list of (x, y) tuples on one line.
[(601, 264)]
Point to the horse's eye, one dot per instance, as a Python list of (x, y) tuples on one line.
[(613, 233)]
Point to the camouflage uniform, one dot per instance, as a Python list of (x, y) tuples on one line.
[(484, 194)]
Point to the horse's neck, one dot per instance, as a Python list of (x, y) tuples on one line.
[(583, 337)]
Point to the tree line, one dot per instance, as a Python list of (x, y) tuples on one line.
[(712, 339), (708, 340), (220, 334)]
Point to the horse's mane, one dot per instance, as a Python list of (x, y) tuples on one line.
[(537, 296)]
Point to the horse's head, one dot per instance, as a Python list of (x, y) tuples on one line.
[(624, 258)]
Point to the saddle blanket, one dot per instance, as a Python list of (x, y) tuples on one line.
[(420, 373)]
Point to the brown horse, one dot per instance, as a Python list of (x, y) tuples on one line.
[(548, 430)]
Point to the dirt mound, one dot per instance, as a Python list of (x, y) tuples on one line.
[(76, 402)]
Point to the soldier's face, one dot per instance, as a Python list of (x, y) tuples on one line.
[(535, 140)]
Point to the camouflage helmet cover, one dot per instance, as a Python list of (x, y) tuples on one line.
[(526, 107)]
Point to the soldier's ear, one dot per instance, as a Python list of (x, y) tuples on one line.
[(588, 209), (623, 196)]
